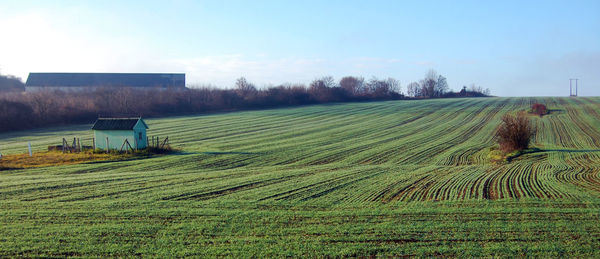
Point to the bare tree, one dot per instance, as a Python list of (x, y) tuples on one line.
[(383, 88), (354, 85), (413, 89), (428, 84), (42, 102), (323, 82), (476, 89), (244, 88), (123, 97), (441, 86), (394, 85)]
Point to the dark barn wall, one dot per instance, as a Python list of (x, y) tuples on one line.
[(64, 80)]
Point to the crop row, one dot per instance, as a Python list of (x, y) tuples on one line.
[(410, 150)]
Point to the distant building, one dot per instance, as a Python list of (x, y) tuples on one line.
[(90, 81), (111, 133)]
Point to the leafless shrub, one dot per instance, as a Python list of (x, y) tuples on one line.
[(539, 109), (515, 133)]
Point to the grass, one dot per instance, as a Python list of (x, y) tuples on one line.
[(498, 157), (54, 158), (58, 158), (402, 178)]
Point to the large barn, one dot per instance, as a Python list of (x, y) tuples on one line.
[(89, 81)]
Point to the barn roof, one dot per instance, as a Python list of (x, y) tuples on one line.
[(105, 79), (117, 123)]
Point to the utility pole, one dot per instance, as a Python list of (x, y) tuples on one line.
[(571, 87)]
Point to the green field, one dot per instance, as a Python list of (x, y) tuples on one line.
[(401, 178)]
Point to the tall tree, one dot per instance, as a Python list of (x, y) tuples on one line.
[(413, 89), (323, 82), (394, 85), (354, 85), (441, 86), (244, 88), (428, 84)]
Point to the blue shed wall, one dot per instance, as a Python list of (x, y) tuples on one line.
[(139, 131), (116, 138)]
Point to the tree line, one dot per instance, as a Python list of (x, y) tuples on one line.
[(10, 83), (25, 110)]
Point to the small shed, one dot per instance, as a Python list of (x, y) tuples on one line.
[(111, 133)]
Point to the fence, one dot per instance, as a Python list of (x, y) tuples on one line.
[(77, 147)]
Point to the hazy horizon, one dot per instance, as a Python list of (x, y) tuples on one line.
[(510, 47)]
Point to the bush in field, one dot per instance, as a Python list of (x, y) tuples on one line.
[(539, 109), (159, 150), (515, 133)]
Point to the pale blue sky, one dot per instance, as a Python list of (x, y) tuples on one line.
[(515, 48)]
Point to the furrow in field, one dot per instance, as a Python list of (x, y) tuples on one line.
[(423, 149), (405, 139)]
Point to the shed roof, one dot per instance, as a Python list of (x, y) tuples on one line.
[(106, 79), (117, 123)]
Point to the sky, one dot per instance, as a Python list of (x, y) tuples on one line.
[(514, 48)]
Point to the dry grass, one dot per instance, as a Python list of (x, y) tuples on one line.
[(55, 158)]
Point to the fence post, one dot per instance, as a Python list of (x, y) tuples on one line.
[(94, 143), (107, 147), (165, 142), (29, 145)]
